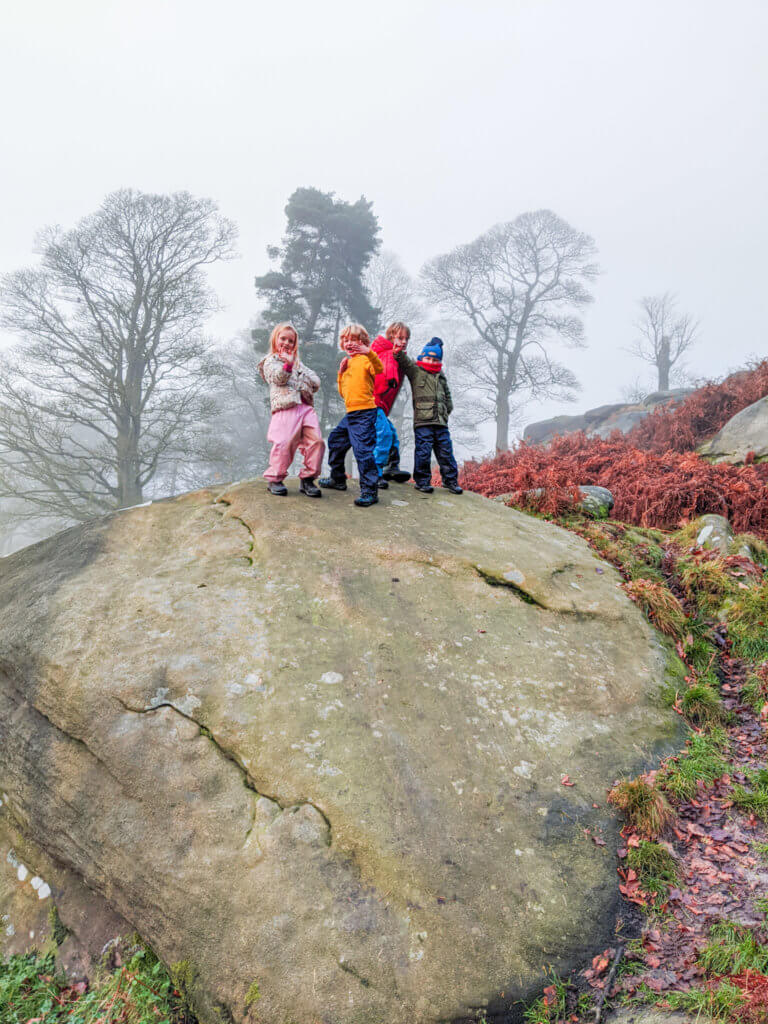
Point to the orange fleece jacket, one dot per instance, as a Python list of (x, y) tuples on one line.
[(356, 382)]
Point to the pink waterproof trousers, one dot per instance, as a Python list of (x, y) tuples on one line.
[(289, 430)]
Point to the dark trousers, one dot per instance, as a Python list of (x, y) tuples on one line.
[(437, 439), (356, 431)]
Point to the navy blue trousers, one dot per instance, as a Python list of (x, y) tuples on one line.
[(437, 439), (357, 431)]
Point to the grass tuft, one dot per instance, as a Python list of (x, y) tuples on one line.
[(702, 761), (733, 948), (748, 623), (660, 605), (755, 690), (702, 705), (656, 870), (559, 1001), (643, 804), (140, 992)]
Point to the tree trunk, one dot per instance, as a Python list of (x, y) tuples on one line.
[(502, 406), (663, 365), (502, 423), (129, 491)]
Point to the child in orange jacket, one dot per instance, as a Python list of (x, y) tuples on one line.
[(357, 429)]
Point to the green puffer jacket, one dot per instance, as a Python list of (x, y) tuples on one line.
[(432, 402)]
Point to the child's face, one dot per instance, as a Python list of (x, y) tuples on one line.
[(351, 345), (400, 342), (286, 342), (430, 360)]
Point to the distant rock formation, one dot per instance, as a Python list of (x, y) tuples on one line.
[(602, 421)]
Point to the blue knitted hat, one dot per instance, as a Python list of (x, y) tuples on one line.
[(434, 349)]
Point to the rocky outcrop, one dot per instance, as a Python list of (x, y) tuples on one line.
[(594, 501), (602, 421), (744, 433), (314, 756)]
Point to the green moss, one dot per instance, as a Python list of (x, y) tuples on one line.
[(253, 995), (757, 546), (184, 977), (59, 931)]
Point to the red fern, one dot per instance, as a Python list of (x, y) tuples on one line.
[(664, 489)]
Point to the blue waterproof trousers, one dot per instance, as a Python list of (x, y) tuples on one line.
[(357, 431), (386, 440), (437, 439)]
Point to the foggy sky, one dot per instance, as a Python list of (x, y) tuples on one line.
[(643, 124)]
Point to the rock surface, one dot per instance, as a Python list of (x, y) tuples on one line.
[(654, 1015), (314, 755), (745, 432), (595, 501), (602, 421), (715, 533)]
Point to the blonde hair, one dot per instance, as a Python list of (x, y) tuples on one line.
[(274, 336), (394, 329), (356, 331)]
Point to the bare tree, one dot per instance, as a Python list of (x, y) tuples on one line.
[(112, 375), (393, 292), (664, 335), (519, 287), (233, 443)]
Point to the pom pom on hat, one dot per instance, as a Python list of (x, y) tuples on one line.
[(434, 349)]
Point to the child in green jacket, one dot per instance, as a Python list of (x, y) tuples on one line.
[(432, 405)]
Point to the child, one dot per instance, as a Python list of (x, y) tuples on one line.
[(386, 388), (357, 429), (294, 424), (432, 405)]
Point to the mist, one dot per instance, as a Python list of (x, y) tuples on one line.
[(640, 125)]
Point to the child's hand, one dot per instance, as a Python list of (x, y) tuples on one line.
[(344, 365), (363, 349)]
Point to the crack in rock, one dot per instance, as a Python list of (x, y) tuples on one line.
[(230, 756)]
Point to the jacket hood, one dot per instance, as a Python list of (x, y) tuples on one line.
[(382, 344)]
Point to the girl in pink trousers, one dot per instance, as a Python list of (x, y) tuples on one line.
[(294, 424)]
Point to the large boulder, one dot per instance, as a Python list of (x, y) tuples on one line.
[(315, 755), (745, 432)]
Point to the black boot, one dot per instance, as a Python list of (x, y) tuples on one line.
[(329, 484), (308, 487), (453, 487), (277, 487), (425, 488), (398, 475), (382, 484), (365, 500)]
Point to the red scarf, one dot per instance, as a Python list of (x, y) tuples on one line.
[(430, 367)]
